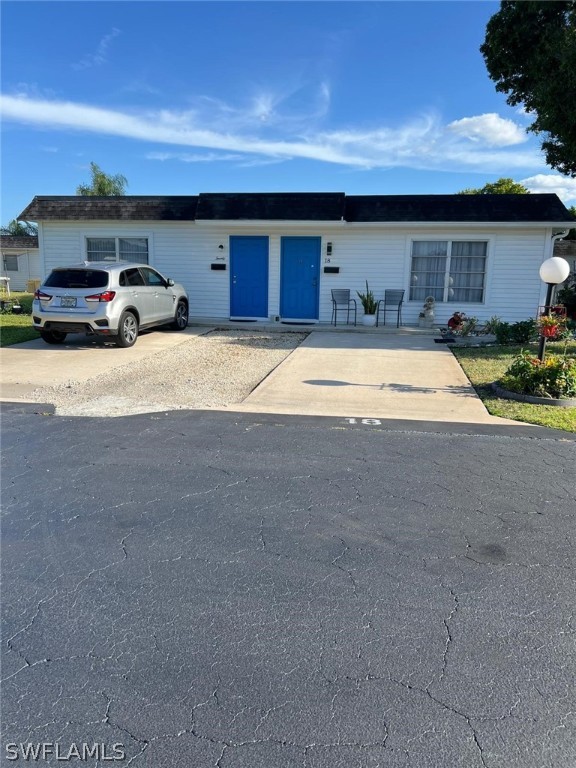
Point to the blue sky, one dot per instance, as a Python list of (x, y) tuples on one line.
[(188, 97)]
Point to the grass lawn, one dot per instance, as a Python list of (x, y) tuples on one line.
[(17, 328), (483, 365)]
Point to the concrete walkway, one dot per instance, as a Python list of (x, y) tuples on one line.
[(396, 376)]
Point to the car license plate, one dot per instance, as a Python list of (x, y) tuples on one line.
[(68, 301)]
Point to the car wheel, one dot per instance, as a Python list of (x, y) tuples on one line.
[(53, 337), (181, 316), (127, 330)]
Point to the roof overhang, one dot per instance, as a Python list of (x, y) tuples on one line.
[(270, 223), (292, 224), (461, 224)]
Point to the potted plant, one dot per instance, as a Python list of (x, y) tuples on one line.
[(550, 325), (370, 306)]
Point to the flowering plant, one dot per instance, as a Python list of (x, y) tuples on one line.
[(550, 321), (554, 378)]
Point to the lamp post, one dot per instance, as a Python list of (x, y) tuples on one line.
[(552, 272)]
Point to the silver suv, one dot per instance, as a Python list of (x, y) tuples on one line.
[(113, 299)]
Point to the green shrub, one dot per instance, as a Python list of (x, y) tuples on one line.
[(523, 331), (501, 330), (492, 324), (554, 378)]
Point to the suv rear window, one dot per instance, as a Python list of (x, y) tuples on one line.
[(77, 278)]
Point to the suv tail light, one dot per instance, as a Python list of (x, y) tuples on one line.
[(41, 296), (105, 296)]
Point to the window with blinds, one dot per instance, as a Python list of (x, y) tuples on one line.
[(133, 249), (450, 271)]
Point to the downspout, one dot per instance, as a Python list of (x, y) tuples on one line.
[(558, 236)]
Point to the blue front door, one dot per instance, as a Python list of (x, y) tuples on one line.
[(300, 278), (249, 277)]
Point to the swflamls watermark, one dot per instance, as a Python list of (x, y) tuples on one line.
[(35, 752)]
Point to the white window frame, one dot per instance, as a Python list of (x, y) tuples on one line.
[(450, 239), (6, 256), (117, 237)]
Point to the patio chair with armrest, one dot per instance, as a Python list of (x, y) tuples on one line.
[(392, 302), (341, 301)]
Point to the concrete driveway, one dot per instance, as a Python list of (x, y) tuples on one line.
[(387, 375), (392, 376), (33, 364)]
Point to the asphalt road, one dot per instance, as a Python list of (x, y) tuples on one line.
[(220, 589)]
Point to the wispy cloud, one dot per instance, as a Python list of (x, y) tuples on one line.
[(489, 129), (101, 55), (563, 186), (425, 142), (185, 157)]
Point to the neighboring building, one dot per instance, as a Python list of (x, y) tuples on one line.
[(20, 260), (567, 250), (277, 256)]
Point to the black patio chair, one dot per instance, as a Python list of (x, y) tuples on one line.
[(392, 302), (341, 301)]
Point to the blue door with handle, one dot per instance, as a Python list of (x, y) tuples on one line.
[(299, 278), (248, 277)]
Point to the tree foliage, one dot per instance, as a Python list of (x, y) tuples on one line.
[(103, 185), (530, 53), (503, 186), (20, 229)]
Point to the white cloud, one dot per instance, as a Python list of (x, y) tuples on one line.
[(489, 129), (423, 143), (563, 186), (185, 157), (100, 57)]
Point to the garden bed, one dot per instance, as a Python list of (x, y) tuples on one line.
[(520, 398), (484, 365)]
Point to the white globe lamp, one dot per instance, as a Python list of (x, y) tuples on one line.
[(553, 271)]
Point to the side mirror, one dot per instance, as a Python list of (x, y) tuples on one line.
[(170, 282)]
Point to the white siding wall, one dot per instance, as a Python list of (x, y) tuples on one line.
[(28, 267), (515, 288), (381, 255)]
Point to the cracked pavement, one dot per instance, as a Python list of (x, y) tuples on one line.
[(240, 591)]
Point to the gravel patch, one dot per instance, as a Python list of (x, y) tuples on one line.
[(215, 370)]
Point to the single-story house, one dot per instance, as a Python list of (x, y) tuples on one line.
[(276, 257), (20, 261)]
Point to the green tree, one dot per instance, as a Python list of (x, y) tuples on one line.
[(20, 229), (530, 53), (501, 187), (102, 184)]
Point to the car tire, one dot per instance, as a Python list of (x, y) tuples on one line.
[(53, 337), (127, 330), (181, 317)]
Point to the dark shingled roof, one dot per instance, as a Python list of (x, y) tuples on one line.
[(276, 206), (303, 206), (19, 241), (455, 208), (125, 208)]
